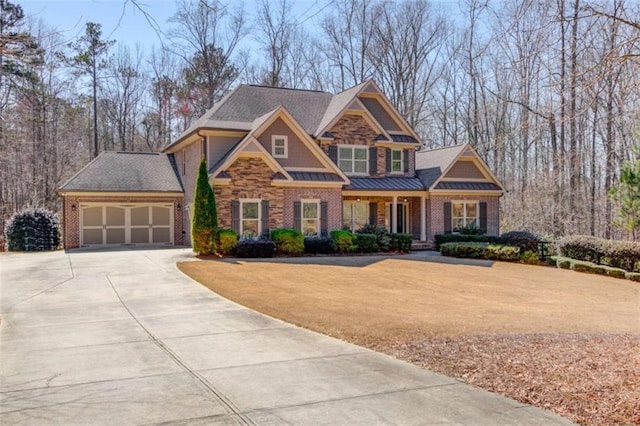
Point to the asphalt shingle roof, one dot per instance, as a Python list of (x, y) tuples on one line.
[(127, 171), (386, 184)]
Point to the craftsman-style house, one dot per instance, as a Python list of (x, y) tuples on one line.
[(278, 157)]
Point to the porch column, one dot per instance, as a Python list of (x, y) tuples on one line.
[(423, 218), (394, 214)]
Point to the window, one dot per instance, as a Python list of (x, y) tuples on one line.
[(396, 161), (310, 210), (355, 214), (353, 159), (464, 214), (279, 146), (249, 219)]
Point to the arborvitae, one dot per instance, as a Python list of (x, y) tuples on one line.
[(204, 225)]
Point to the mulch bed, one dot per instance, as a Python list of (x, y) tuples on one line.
[(589, 379)]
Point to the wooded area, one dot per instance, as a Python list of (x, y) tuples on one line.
[(547, 91)]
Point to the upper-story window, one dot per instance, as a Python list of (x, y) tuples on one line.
[(396, 161), (279, 148), (353, 159)]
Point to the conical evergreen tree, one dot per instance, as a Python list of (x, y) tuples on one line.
[(204, 225)]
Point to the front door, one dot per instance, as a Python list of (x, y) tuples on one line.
[(402, 210)]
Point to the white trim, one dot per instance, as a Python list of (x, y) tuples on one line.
[(241, 218), (355, 202), (464, 216), (284, 138), (401, 171), (353, 159), (395, 202), (315, 201)]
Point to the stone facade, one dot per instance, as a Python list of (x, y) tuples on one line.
[(250, 178), (71, 218)]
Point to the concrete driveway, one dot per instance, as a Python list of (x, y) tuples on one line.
[(122, 337)]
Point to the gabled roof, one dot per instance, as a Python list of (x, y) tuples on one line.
[(250, 141), (127, 172), (433, 165)]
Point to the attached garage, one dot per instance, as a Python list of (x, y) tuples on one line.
[(124, 199), (104, 224)]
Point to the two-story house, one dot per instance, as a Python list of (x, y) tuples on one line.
[(278, 157)]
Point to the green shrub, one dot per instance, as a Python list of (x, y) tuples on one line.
[(401, 242), (530, 257), (616, 272), (471, 230), (526, 241), (633, 276), (366, 243), (288, 241), (318, 245), (33, 230), (465, 250), (460, 238), (204, 224), (255, 248), (227, 241), (564, 264), (500, 252), (383, 238), (343, 241)]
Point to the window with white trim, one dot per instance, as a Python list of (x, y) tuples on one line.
[(355, 214), (353, 160), (396, 161), (279, 146), (464, 214), (310, 211), (250, 213)]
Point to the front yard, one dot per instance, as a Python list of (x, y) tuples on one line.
[(554, 338)]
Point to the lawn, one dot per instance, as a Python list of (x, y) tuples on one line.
[(478, 321)]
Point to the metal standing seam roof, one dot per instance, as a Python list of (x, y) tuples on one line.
[(127, 171), (386, 184), (316, 176), (477, 186), (403, 138)]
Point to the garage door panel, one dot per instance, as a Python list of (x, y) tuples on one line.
[(140, 216), (92, 216), (161, 235), (161, 216), (115, 236), (92, 236), (139, 235), (115, 216)]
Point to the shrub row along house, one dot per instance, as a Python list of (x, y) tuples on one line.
[(308, 160)]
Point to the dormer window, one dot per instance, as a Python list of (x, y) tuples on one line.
[(279, 146)]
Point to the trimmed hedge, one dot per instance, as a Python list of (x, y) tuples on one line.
[(401, 242), (227, 241), (288, 241), (589, 267), (633, 276), (366, 243), (318, 245), (33, 230), (462, 238), (481, 251), (255, 248), (343, 241), (618, 254)]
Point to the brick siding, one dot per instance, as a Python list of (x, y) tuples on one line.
[(435, 214), (333, 197)]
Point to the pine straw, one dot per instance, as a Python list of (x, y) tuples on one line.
[(589, 379)]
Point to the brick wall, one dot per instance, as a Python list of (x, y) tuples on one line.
[(435, 214), (333, 197), (71, 219), (250, 178)]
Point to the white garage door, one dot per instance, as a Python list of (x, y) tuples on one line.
[(126, 224)]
